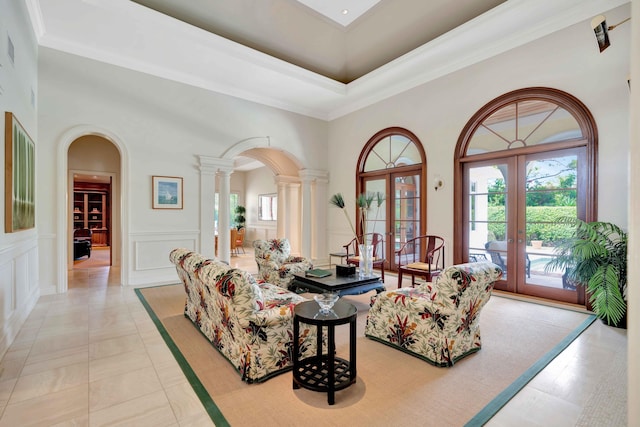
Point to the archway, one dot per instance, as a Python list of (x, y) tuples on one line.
[(64, 192), (301, 197), (94, 171)]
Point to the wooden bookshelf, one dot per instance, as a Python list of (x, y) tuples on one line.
[(91, 210)]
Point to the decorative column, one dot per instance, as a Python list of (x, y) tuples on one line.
[(314, 213), (207, 196), (283, 214), (307, 215), (210, 169), (293, 223), (224, 213), (289, 210)]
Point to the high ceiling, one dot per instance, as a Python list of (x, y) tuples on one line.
[(323, 40), (284, 54)]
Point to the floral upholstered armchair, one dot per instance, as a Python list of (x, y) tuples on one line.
[(275, 263), (249, 323), (438, 322)]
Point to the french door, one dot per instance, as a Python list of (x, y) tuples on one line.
[(399, 217), (513, 211), (393, 163)]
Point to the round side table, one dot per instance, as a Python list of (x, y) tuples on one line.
[(325, 372)]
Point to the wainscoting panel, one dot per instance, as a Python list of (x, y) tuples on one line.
[(260, 232), (18, 288), (150, 254), (48, 263)]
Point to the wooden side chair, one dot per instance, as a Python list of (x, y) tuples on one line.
[(422, 256), (233, 240), (240, 240), (378, 248)]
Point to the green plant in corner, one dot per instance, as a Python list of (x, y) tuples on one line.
[(595, 256), (239, 219)]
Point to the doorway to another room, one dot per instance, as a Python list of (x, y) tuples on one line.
[(91, 221), (93, 203)]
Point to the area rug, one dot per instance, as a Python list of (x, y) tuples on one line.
[(392, 388)]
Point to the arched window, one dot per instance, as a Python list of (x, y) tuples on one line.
[(524, 161), (393, 163)]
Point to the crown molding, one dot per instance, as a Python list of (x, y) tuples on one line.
[(125, 34)]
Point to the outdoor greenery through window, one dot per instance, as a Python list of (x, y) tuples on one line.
[(551, 195), (233, 203)]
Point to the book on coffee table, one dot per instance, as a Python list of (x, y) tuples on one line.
[(317, 272)]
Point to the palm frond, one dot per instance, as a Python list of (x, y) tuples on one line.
[(337, 200), (365, 200), (605, 296), (595, 256), (379, 198)]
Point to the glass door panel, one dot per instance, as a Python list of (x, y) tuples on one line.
[(513, 218), (406, 211), (550, 194), (487, 216), (377, 216)]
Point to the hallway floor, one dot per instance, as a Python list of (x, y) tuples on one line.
[(93, 357)]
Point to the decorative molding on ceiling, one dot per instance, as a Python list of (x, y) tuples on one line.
[(131, 36)]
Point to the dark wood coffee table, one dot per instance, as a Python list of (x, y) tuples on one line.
[(342, 285)]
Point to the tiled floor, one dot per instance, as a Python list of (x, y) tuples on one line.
[(93, 357)]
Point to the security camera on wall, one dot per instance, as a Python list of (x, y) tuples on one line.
[(601, 30)]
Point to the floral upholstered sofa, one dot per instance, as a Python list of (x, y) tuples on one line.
[(438, 322), (249, 323), (275, 263)]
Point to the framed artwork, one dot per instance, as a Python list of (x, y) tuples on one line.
[(19, 182), (167, 192)]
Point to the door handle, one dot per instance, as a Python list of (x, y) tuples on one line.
[(509, 240)]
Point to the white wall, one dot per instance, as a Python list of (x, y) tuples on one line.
[(633, 317), (259, 181), (163, 127), (437, 112), (19, 289)]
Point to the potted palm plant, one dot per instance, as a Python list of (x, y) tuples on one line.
[(595, 257), (239, 218)]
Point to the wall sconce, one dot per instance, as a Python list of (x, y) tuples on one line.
[(601, 30), (438, 182)]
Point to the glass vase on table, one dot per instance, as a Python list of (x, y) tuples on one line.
[(365, 267)]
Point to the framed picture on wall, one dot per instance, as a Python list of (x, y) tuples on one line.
[(19, 184), (167, 192)]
